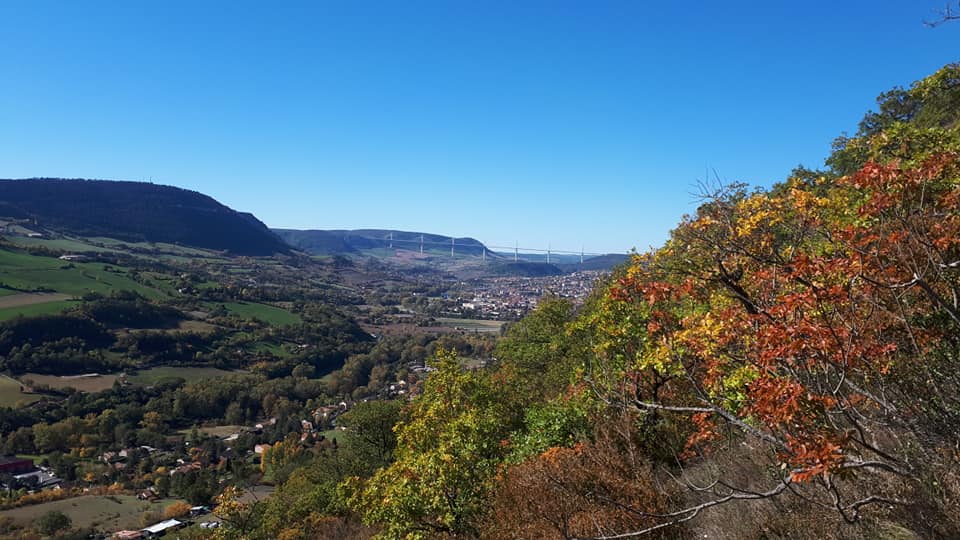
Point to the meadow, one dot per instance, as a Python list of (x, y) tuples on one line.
[(100, 382), (10, 393), (83, 383), (25, 272), (268, 314), (64, 244), (152, 375), (106, 513), (471, 325), (214, 431), (31, 310)]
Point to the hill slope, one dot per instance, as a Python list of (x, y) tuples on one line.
[(330, 242), (136, 212)]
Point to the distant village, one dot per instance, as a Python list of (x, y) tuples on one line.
[(506, 298), (23, 473)]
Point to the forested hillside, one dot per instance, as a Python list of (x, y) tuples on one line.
[(136, 212), (785, 366), (334, 242)]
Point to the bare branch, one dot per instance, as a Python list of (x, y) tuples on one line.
[(687, 514), (936, 298), (726, 415), (674, 408), (948, 13)]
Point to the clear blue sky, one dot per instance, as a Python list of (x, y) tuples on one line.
[(543, 122)]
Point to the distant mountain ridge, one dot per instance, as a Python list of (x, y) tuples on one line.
[(137, 212), (336, 242)]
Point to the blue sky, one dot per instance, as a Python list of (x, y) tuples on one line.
[(568, 123)]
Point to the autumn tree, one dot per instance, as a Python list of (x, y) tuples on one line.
[(816, 321), (176, 510), (584, 489)]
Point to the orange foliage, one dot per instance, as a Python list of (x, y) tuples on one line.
[(792, 310), (570, 492), (175, 510)]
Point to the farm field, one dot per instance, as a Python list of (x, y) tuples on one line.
[(152, 375), (273, 349), (269, 314), (198, 327), (27, 272), (106, 513), (10, 393), (46, 308), (150, 246), (29, 299), (214, 431), (471, 325), (100, 382), (65, 244), (83, 383)]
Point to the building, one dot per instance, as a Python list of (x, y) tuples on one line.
[(74, 258), (160, 529), (14, 465)]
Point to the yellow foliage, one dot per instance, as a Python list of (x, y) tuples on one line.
[(175, 510), (755, 211)]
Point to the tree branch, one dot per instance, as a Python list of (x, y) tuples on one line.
[(687, 514), (949, 13)]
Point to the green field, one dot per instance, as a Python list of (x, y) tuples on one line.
[(28, 272), (332, 434), (150, 246), (10, 393), (271, 348), (268, 314), (197, 327), (152, 375), (63, 244), (105, 513)]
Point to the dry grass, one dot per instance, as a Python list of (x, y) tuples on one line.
[(10, 394), (214, 431), (106, 513), (82, 383), (29, 299)]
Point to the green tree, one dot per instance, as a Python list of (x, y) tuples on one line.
[(370, 438), (909, 124), (53, 521), (447, 453), (536, 357)]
